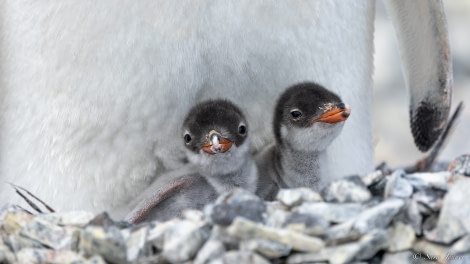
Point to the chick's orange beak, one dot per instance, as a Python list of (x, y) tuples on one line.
[(336, 113), (216, 143)]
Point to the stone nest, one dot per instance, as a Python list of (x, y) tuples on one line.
[(374, 218)]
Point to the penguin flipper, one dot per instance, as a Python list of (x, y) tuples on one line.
[(421, 30), (162, 189)]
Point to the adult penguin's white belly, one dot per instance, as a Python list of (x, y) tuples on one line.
[(93, 93)]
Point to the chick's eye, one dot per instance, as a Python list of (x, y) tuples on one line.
[(296, 114), (187, 138), (242, 129)]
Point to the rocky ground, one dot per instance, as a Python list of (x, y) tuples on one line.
[(381, 217)]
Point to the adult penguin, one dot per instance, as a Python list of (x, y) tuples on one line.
[(92, 93)]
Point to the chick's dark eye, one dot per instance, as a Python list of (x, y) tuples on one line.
[(242, 130), (187, 138), (295, 114)]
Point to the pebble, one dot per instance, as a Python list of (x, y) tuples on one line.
[(414, 217), (239, 203), (48, 234), (461, 166), (347, 189), (401, 237), (364, 249), (223, 214), (431, 251), (211, 250), (268, 248), (454, 218), (431, 198), (107, 242), (378, 216), (438, 180), (14, 221), (183, 240), (135, 242), (309, 224), (333, 212), (245, 229), (397, 186), (373, 218), (297, 196), (401, 257), (372, 178), (246, 257), (461, 246)]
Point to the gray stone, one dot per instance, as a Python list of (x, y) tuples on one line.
[(377, 189), (436, 180), (347, 189), (223, 214), (461, 246), (379, 216), (430, 197), (48, 234), (414, 217), (245, 257), (306, 223), (429, 228), (335, 213), (402, 257), (183, 241), (14, 221), (364, 249), (29, 255), (266, 247), (401, 237), (276, 217), (109, 243), (372, 178), (244, 229), (458, 259), (461, 166), (156, 234), (338, 254), (238, 202), (220, 233), (6, 255), (371, 243), (429, 250), (296, 196), (135, 242), (397, 186), (7, 208), (454, 218), (18, 242), (154, 259), (211, 250), (341, 233)]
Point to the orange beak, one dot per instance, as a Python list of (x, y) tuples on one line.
[(216, 143), (337, 113)]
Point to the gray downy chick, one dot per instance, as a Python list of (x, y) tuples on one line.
[(306, 120), (215, 134)]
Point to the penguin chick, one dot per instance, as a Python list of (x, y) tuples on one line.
[(215, 134), (216, 139), (306, 120)]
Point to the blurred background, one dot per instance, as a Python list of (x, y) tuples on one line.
[(392, 136)]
